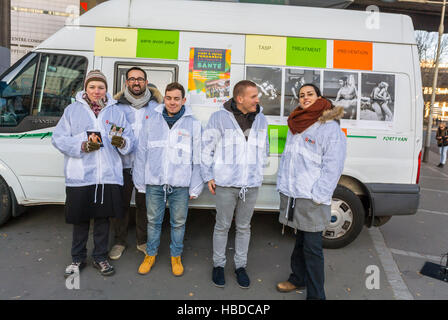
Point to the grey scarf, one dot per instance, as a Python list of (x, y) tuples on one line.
[(139, 102)]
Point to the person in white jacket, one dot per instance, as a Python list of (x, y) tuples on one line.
[(235, 148), (93, 169), (310, 168), (137, 101), (167, 168)]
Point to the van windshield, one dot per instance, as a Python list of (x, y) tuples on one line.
[(16, 89)]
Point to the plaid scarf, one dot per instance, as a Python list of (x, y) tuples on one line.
[(95, 106)]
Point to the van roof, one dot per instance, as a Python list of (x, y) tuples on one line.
[(248, 18)]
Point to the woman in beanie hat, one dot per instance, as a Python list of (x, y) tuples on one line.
[(92, 166), (309, 171)]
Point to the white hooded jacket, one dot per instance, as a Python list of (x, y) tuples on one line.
[(228, 158), (169, 157), (97, 167)]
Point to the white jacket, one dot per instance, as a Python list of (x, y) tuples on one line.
[(167, 156), (226, 155), (97, 167), (135, 118), (313, 160)]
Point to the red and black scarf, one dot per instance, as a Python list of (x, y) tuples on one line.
[(301, 119)]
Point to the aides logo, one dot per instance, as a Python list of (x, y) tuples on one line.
[(308, 140)]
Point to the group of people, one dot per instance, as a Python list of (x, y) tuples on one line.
[(166, 155)]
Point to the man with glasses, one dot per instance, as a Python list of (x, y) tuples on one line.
[(137, 100)]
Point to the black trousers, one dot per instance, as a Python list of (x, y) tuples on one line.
[(100, 239), (141, 219), (307, 264)]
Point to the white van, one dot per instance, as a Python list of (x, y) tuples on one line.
[(371, 69)]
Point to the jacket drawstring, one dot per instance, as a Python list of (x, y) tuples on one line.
[(287, 214), (167, 188), (102, 193), (96, 189), (242, 194)]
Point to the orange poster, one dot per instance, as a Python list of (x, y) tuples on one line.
[(352, 55)]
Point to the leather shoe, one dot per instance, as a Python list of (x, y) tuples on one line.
[(287, 286)]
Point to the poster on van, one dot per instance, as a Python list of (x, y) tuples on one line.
[(294, 79), (341, 88), (377, 97), (209, 76), (269, 84)]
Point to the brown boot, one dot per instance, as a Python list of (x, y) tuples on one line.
[(287, 286)]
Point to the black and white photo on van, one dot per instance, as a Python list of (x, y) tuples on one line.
[(341, 87), (294, 79), (377, 97), (269, 84)]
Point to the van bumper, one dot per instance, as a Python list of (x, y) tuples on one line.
[(393, 199)]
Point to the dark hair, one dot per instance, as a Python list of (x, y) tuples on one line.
[(318, 93), (138, 69), (317, 90), (241, 86), (175, 86)]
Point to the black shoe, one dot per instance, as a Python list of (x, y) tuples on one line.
[(440, 165), (242, 278), (218, 277), (105, 268)]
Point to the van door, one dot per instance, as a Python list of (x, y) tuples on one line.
[(33, 96)]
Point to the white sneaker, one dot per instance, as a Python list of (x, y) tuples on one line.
[(73, 268), (116, 252), (142, 248)]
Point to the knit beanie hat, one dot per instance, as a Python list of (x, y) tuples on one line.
[(95, 75)]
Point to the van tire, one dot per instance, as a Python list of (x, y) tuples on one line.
[(347, 219), (5, 202)]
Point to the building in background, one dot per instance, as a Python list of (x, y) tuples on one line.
[(441, 102), (33, 21)]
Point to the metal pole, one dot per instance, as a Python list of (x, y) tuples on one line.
[(5, 23), (434, 87)]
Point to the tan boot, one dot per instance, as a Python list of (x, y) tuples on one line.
[(176, 265), (147, 264), (287, 286)]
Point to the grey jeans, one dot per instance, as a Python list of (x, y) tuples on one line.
[(228, 203)]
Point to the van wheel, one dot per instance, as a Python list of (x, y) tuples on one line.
[(5, 202), (347, 219)]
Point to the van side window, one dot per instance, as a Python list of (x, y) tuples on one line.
[(60, 78), (16, 89)]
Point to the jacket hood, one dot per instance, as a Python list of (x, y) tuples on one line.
[(110, 99), (155, 95), (335, 113)]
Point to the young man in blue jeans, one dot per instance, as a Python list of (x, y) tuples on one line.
[(167, 168)]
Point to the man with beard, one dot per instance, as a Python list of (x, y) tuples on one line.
[(137, 100)]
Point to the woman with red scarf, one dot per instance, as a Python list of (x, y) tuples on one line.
[(310, 168)]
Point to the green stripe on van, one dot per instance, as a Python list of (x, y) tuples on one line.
[(363, 137), (27, 135)]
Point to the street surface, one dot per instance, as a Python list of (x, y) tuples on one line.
[(35, 249)]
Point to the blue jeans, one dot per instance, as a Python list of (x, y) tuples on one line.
[(307, 264), (177, 199), (443, 151)]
